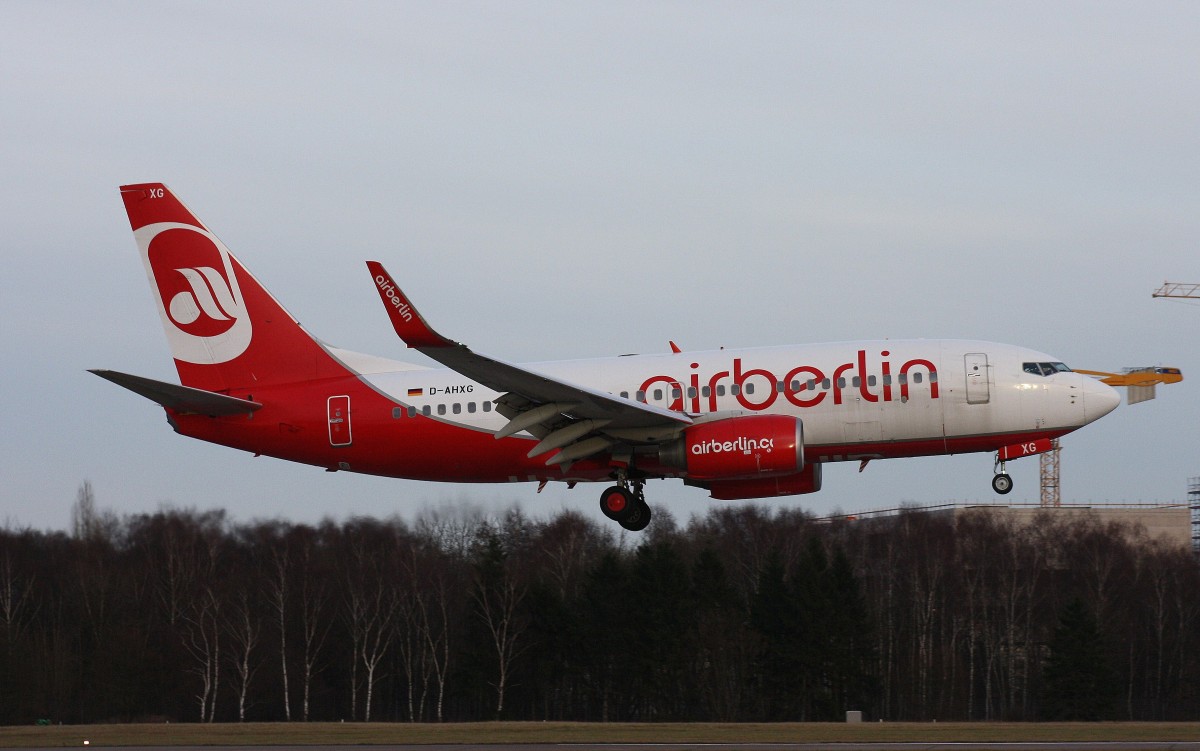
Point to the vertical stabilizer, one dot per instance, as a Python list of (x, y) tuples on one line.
[(224, 329)]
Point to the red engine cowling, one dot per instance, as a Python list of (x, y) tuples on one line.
[(739, 447), (806, 481)]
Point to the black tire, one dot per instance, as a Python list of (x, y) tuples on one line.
[(618, 504), (1002, 484), (638, 520)]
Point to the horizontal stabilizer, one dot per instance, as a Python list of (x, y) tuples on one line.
[(180, 398)]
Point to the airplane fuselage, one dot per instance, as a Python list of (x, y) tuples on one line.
[(857, 400)]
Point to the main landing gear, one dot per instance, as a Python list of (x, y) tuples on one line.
[(626, 506), (1001, 482)]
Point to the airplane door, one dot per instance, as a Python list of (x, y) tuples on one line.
[(978, 391), (338, 410)]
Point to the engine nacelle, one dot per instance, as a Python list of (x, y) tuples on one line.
[(806, 481), (738, 447)]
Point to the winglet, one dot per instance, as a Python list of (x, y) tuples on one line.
[(409, 324)]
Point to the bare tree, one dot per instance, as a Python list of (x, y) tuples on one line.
[(244, 629), (16, 603), (498, 592), (314, 628), (202, 639), (370, 607), (277, 596), (315, 620)]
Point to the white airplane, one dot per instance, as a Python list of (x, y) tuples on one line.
[(740, 423)]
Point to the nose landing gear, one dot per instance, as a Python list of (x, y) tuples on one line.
[(625, 506), (1001, 482)]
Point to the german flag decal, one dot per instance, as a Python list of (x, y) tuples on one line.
[(416, 392)]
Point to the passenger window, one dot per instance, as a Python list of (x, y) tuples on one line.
[(826, 384), (412, 411), (917, 377), (624, 394), (456, 409), (691, 392), (796, 386), (471, 407), (441, 409), (721, 390), (641, 396), (425, 410), (487, 406), (735, 389), (855, 382), (842, 383), (658, 393), (933, 377), (706, 391), (397, 413), (871, 380), (675, 393), (749, 388)]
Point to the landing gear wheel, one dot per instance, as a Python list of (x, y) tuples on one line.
[(618, 504), (626, 507), (639, 519), (1002, 483)]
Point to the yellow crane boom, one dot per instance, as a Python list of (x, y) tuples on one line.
[(1149, 376)]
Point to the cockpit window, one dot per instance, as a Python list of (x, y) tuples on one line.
[(1045, 368)]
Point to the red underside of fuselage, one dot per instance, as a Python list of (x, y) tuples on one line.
[(422, 448)]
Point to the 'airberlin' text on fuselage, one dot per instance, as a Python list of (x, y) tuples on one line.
[(803, 385)]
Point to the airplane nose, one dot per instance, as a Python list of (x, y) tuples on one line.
[(1098, 399)]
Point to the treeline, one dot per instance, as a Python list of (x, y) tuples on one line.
[(742, 614)]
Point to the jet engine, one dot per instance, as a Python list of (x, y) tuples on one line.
[(738, 448)]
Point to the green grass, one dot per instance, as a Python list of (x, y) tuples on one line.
[(267, 734)]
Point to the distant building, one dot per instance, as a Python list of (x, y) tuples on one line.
[(1171, 523)]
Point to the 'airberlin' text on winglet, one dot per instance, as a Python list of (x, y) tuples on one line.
[(389, 290)]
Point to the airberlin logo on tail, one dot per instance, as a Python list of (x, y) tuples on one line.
[(199, 298), (208, 304), (393, 297)]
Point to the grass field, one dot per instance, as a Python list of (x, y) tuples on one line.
[(267, 734)]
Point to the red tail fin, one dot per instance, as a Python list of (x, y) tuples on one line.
[(225, 330)]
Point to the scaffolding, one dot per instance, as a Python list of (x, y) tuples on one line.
[(1051, 463), (1194, 503)]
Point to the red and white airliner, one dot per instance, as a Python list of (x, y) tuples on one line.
[(740, 423)]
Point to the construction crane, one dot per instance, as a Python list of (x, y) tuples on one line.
[(1175, 289), (1140, 384)]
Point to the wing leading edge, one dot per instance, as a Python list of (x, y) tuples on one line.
[(577, 420)]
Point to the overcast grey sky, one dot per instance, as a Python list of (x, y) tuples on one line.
[(559, 180)]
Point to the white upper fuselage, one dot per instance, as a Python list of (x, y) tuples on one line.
[(857, 400)]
